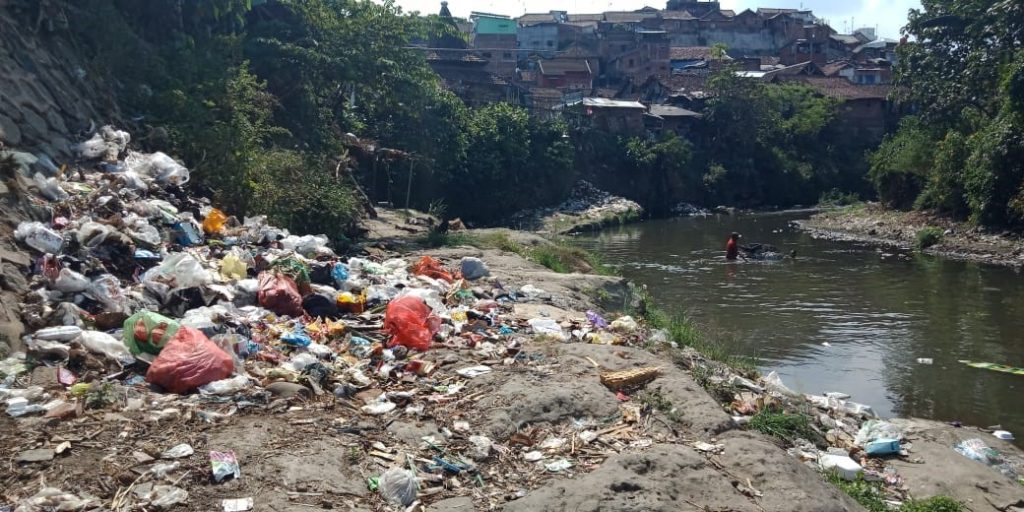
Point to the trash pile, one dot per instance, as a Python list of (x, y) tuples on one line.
[(844, 437), (151, 305), (590, 206)]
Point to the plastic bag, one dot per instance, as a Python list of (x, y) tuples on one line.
[(399, 485), (158, 166), (93, 234), (188, 361), (473, 268), (625, 324), (178, 271), (148, 332), (166, 496), (546, 326), (339, 273), (431, 268), (226, 387), (63, 333), (51, 498), (39, 237), (350, 303), (69, 281), (49, 188), (305, 245), (232, 267), (297, 337), (104, 344), (411, 323), (597, 320), (106, 290), (107, 144), (875, 430), (186, 234), (774, 383), (214, 222), (280, 294)]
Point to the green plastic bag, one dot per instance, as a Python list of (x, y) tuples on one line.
[(148, 332)]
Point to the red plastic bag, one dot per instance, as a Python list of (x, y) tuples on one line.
[(189, 360), (410, 322), (280, 294), (431, 268)]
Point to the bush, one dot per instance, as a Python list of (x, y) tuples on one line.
[(928, 237), (835, 198), (901, 163), (781, 425)]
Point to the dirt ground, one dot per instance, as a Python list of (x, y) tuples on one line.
[(898, 230)]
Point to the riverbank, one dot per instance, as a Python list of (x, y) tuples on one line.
[(873, 224)]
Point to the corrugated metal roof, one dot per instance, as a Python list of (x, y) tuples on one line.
[(606, 103), (672, 111)]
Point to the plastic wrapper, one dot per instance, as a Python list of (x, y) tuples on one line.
[(399, 485), (148, 332), (874, 430), (340, 273), (39, 237), (188, 361), (53, 499), (62, 334), (232, 267), (224, 465), (166, 496), (411, 323)]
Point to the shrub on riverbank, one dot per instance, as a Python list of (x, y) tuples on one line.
[(870, 495), (928, 237)]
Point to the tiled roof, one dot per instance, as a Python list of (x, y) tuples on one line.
[(575, 18), (563, 66), (692, 53), (624, 17), (833, 68), (671, 111), (533, 19), (677, 15), (841, 88)]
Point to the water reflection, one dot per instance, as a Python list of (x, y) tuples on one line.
[(843, 317)]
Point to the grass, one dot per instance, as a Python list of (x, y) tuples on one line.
[(685, 333), (559, 256), (836, 198), (871, 496), (782, 425), (655, 400), (928, 237)]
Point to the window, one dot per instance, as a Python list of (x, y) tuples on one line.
[(550, 44), (506, 55), (623, 48), (487, 55), (631, 63)]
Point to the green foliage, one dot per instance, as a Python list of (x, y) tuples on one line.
[(965, 155), (653, 399), (835, 198), (871, 496), (781, 425), (928, 237)]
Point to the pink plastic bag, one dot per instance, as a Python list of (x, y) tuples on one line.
[(188, 361), (411, 323)]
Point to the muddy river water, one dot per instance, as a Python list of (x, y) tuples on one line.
[(842, 316)]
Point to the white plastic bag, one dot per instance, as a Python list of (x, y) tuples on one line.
[(158, 166), (104, 344), (49, 188), (304, 245), (69, 281), (39, 237), (64, 333), (226, 387), (93, 234), (546, 327), (179, 271), (106, 290)]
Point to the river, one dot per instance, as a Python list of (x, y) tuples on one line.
[(842, 316)]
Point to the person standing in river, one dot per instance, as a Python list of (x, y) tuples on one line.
[(732, 247)]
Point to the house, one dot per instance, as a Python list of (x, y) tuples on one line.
[(865, 110), (565, 74), (467, 76), (697, 8), (687, 57), (494, 36), (615, 116), (878, 49), (635, 54), (671, 119)]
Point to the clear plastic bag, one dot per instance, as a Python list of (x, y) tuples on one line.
[(104, 344), (49, 188), (107, 291), (158, 166), (39, 237), (93, 234), (69, 281), (230, 386), (179, 271), (399, 485)]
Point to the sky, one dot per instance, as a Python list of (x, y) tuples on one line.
[(887, 15)]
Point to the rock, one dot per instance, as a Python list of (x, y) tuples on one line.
[(12, 278), (62, 412), (9, 131), (452, 505), (289, 390), (45, 377), (474, 268), (40, 455)]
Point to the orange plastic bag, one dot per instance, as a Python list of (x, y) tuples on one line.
[(431, 268), (214, 222), (279, 293), (188, 361), (410, 323)]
